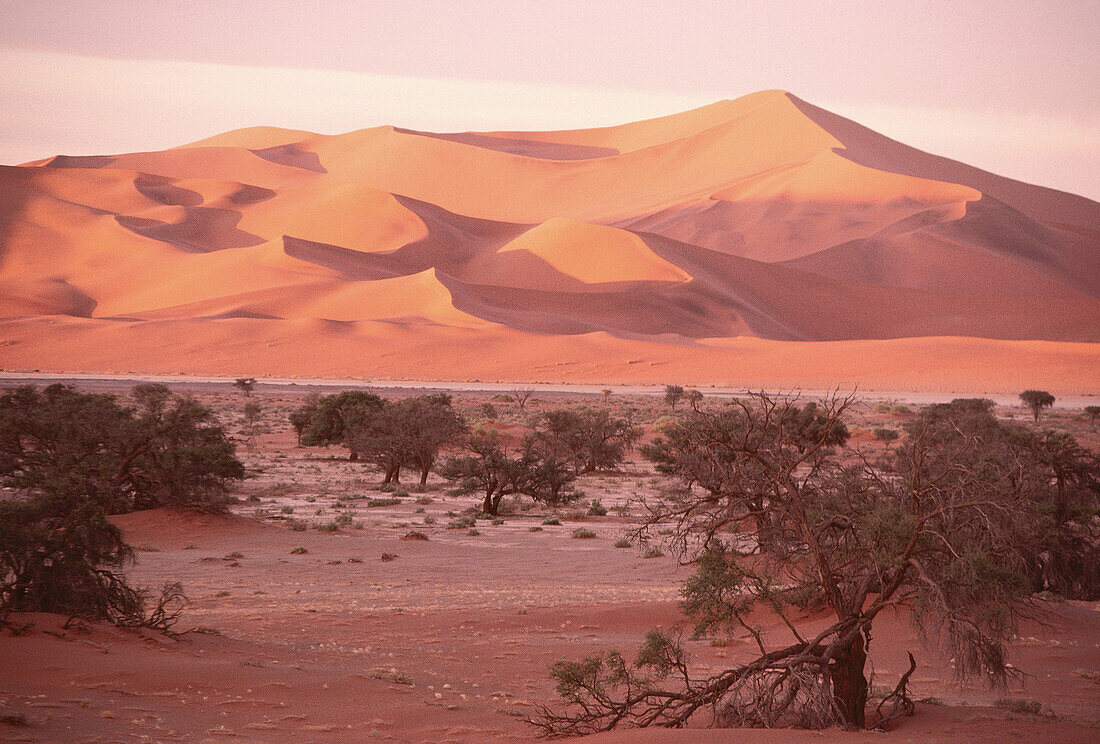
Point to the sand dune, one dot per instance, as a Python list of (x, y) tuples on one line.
[(666, 245)]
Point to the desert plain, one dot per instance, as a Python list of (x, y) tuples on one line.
[(313, 617)]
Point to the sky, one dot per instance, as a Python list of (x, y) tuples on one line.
[(1012, 87)]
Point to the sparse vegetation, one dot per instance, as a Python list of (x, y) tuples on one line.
[(1036, 401), (958, 524)]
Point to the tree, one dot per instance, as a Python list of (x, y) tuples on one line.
[(949, 524), (301, 417), (330, 416), (1037, 400), (430, 424), (593, 438), (401, 433), (673, 394), (166, 450), (60, 554), (251, 418), (523, 396), (1093, 412), (245, 384), (545, 468), (484, 467), (67, 460)]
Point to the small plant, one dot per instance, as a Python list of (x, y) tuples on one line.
[(253, 498), (582, 533), (461, 523), (387, 557), (423, 500), (401, 493), (287, 510), (473, 532), (420, 510), (597, 509), (534, 528), (652, 551), (498, 521), (311, 499), (622, 542), (429, 519), (1019, 705), (387, 488), (14, 719), (414, 535), (382, 502), (342, 519), (551, 521), (233, 556), (329, 527), (355, 560), (298, 551), (297, 525)]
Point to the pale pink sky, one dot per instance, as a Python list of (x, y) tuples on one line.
[(1004, 85)]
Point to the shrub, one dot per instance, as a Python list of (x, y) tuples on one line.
[(597, 509), (551, 521), (583, 534), (298, 551), (623, 543), (382, 502)]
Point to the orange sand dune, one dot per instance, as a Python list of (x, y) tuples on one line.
[(760, 240), (566, 256)]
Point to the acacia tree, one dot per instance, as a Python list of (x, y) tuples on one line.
[(593, 438), (775, 519), (165, 450), (301, 417), (245, 385), (402, 433), (330, 415), (484, 467), (541, 469), (673, 394), (67, 460), (429, 424), (1037, 400)]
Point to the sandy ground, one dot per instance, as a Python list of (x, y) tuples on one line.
[(298, 634)]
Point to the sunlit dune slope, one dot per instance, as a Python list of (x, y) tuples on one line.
[(760, 217)]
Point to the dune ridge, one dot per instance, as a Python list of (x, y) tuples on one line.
[(668, 245)]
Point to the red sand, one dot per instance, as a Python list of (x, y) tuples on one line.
[(447, 643)]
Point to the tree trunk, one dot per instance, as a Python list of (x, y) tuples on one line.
[(849, 684), (424, 472), (489, 505)]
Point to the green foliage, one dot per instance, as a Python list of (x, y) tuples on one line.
[(597, 509), (673, 394), (961, 523), (408, 432), (165, 450), (582, 533), (884, 434), (329, 416), (591, 438), (1037, 400)]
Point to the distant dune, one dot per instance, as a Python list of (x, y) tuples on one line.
[(760, 241)]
